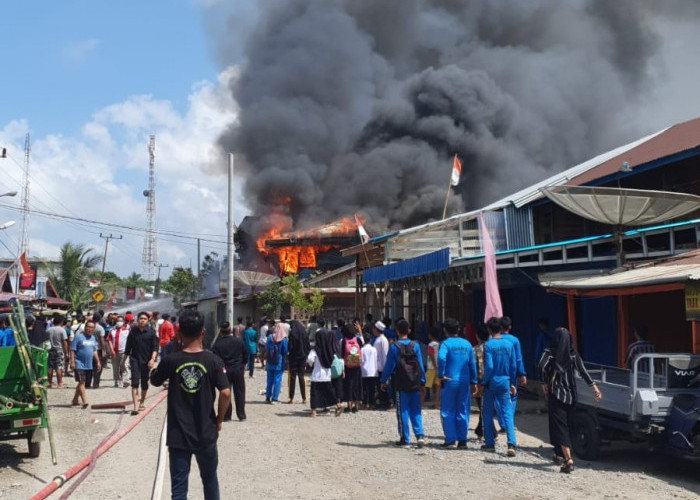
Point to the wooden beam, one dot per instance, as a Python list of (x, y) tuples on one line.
[(633, 290), (622, 329), (571, 312)]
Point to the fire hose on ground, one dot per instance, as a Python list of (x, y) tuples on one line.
[(60, 480)]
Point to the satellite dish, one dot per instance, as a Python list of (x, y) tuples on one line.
[(254, 278), (622, 207)]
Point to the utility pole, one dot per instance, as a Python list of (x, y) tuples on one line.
[(107, 237), (199, 257), (156, 289), (229, 243)]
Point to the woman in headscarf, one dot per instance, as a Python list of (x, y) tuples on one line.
[(557, 367), (298, 351), (352, 356), (276, 349), (321, 357)]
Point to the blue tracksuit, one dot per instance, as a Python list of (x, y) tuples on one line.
[(407, 403), (455, 360), (274, 372), (500, 367), (519, 371)]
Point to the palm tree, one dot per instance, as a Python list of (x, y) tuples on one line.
[(75, 263)]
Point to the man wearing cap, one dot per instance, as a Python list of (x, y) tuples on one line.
[(381, 344)]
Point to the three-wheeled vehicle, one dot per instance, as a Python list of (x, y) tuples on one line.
[(23, 378), (657, 401)]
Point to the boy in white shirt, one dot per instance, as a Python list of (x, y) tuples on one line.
[(370, 376)]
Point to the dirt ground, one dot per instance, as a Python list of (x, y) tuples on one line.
[(281, 453)]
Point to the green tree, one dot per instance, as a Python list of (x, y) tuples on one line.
[(270, 299), (71, 277), (182, 284), (134, 280), (316, 301), (293, 295)]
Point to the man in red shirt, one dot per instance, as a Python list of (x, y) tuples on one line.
[(166, 332)]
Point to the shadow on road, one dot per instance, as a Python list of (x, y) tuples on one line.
[(12, 457)]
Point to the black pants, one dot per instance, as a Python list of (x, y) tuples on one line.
[(479, 430), (369, 390), (384, 396), (92, 379), (237, 380), (297, 368)]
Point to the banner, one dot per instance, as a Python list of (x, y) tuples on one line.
[(27, 279), (130, 293)]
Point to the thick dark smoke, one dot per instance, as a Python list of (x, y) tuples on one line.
[(359, 105)]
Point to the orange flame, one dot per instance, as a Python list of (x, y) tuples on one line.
[(294, 257)]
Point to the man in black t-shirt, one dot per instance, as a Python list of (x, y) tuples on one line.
[(193, 426)]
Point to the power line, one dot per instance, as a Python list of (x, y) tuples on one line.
[(63, 217)]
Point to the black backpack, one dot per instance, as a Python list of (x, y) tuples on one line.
[(406, 377)]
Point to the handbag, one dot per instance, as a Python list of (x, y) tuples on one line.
[(336, 367)]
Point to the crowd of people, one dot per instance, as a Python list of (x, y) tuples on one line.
[(82, 346), (371, 365), (352, 366)]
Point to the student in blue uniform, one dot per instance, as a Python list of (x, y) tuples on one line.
[(498, 384), (456, 368), (506, 327), (404, 363), (276, 350)]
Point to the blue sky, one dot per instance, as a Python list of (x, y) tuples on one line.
[(90, 81), (64, 60)]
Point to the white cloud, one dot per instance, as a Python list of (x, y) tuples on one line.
[(101, 173), (76, 52)]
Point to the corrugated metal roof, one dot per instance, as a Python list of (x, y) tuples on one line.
[(685, 267), (676, 139), (532, 193)]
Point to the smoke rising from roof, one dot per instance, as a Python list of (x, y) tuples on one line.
[(359, 105)]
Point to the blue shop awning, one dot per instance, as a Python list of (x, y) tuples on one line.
[(425, 264)]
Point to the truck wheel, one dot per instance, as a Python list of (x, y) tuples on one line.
[(34, 448), (585, 436)]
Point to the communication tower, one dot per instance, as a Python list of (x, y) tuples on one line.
[(150, 248), (24, 240)]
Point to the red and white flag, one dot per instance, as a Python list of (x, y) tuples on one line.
[(493, 297), (456, 172), (364, 237)]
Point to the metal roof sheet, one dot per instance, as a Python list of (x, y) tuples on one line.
[(683, 268)]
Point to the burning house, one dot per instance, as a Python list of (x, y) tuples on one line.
[(266, 244)]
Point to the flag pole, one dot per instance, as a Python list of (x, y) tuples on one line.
[(455, 166), (447, 196)]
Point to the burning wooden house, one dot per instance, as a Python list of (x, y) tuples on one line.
[(267, 245)]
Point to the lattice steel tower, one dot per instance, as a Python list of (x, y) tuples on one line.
[(150, 248), (24, 239)]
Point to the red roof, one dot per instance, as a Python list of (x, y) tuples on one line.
[(676, 139)]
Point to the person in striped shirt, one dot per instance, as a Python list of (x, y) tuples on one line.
[(556, 368), (641, 345)]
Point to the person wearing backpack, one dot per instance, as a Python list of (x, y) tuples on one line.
[(352, 356), (456, 369), (405, 366), (276, 351)]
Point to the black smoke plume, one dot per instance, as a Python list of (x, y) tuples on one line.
[(360, 105)]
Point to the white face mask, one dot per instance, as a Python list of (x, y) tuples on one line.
[(120, 324)]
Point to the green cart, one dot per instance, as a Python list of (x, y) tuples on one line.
[(23, 379)]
